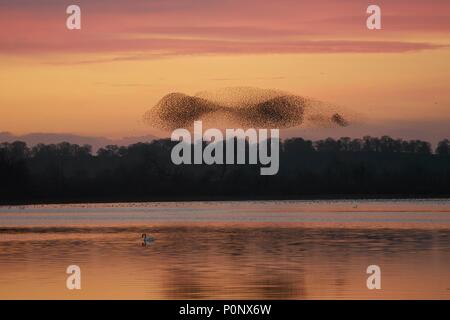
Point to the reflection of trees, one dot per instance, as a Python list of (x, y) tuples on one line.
[(255, 262), (144, 171), (224, 262)]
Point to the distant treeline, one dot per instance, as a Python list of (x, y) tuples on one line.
[(368, 167)]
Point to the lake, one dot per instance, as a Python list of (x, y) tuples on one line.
[(227, 250)]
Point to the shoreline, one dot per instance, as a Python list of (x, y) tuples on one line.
[(220, 199)]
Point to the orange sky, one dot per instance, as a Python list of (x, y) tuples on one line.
[(101, 79)]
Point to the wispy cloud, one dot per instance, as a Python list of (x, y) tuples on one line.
[(134, 30)]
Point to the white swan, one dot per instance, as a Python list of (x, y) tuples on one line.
[(147, 240)]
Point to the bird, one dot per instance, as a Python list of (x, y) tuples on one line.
[(147, 240)]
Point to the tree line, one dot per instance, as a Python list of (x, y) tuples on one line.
[(329, 168)]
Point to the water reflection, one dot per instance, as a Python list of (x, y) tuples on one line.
[(224, 260)]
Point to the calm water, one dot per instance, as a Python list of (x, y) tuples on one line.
[(246, 250)]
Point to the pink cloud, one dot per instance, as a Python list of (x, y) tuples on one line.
[(231, 26)]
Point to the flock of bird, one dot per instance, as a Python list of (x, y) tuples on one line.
[(243, 107)]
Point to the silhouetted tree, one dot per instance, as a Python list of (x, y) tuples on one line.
[(443, 147), (144, 171)]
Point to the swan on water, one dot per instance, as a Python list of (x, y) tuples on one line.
[(147, 240)]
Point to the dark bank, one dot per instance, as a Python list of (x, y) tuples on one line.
[(326, 169)]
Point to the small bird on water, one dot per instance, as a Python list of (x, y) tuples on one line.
[(147, 240)]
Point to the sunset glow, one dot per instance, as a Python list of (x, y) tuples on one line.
[(101, 79)]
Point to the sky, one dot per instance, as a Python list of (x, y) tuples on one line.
[(101, 79)]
